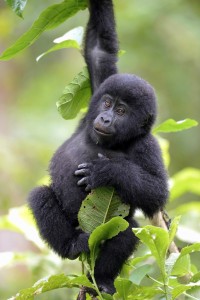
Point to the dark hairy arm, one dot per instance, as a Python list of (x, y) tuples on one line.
[(142, 184), (101, 45)]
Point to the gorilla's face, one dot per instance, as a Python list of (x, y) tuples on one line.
[(121, 109)]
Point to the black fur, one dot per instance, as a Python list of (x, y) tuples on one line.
[(112, 146)]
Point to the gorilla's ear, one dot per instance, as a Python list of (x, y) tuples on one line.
[(146, 126)]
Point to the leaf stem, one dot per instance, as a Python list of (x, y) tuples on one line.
[(96, 286), (190, 296), (153, 279), (82, 267), (164, 285)]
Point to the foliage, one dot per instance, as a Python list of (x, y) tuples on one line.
[(52, 17), (75, 96), (71, 39), (136, 282), (173, 126), (176, 276), (17, 6), (99, 207)]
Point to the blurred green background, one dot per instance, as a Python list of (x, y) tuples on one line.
[(162, 44)]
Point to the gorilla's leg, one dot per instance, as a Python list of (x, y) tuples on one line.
[(114, 253), (54, 227)]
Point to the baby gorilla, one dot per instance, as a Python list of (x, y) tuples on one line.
[(112, 146)]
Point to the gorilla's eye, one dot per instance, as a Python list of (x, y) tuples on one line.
[(120, 111), (107, 103)]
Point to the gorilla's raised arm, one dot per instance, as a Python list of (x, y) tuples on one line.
[(101, 45)]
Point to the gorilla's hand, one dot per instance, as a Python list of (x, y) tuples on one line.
[(93, 173)]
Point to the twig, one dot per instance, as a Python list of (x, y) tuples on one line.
[(82, 294)]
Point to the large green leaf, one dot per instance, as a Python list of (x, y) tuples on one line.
[(105, 297), (157, 239), (173, 228), (139, 273), (49, 19), (178, 290), (51, 283), (190, 249), (104, 232), (72, 39), (123, 286), (75, 96), (100, 206), (17, 6), (182, 266), (128, 290), (174, 126), (195, 277), (136, 260), (185, 181), (170, 262)]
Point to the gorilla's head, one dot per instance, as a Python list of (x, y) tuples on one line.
[(121, 109)]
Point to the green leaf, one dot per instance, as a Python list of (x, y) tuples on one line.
[(100, 206), (75, 96), (128, 290), (174, 126), (182, 288), (170, 262), (139, 273), (82, 281), (17, 6), (50, 18), (173, 228), (136, 260), (157, 239), (51, 283), (65, 44), (75, 34), (195, 277), (104, 232), (123, 286), (106, 296), (182, 266), (185, 181), (190, 249), (72, 39)]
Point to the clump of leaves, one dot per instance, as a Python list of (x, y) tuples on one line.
[(49, 19), (172, 268)]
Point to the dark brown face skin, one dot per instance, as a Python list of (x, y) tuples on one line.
[(121, 110), (112, 113)]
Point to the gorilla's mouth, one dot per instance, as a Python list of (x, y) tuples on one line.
[(102, 131)]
